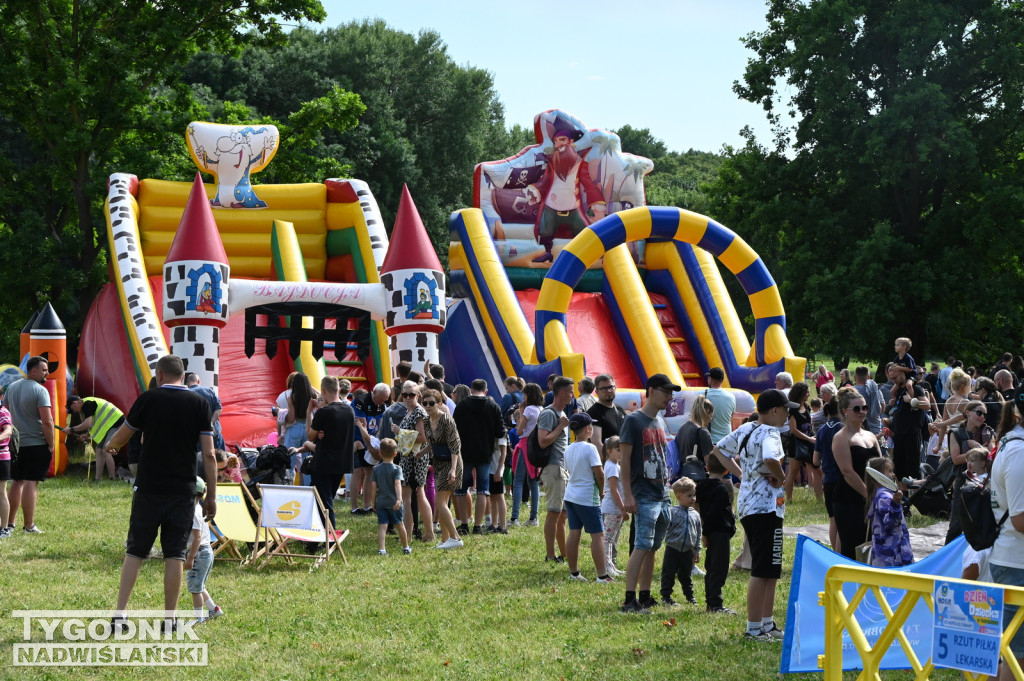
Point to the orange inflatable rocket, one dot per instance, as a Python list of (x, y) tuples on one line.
[(48, 339)]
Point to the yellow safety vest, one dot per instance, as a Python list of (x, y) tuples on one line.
[(105, 417)]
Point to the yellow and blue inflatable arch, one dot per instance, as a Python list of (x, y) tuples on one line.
[(771, 347)]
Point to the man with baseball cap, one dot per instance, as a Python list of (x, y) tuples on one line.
[(643, 445), (725, 405), (754, 453)]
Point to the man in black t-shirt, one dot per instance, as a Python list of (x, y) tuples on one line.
[(172, 419), (332, 428), (607, 415)]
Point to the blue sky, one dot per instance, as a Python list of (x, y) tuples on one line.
[(657, 64)]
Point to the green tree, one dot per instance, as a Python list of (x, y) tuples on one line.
[(87, 85), (678, 179), (428, 121), (889, 202)]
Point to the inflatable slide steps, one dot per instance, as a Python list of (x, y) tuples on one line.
[(688, 364)]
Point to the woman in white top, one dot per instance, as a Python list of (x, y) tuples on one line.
[(526, 420), (1006, 562)]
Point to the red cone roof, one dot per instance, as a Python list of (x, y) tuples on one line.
[(410, 247), (197, 237)]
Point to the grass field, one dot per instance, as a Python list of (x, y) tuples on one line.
[(492, 610)]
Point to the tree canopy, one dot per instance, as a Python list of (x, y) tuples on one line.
[(90, 88), (887, 203), (428, 121)]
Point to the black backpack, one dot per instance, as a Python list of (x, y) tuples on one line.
[(976, 518), (977, 521), (538, 456), (14, 443)]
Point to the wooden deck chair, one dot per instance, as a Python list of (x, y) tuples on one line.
[(293, 513), (234, 524)]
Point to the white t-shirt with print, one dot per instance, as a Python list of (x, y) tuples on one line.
[(756, 494), (580, 458)]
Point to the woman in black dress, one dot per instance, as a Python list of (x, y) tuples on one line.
[(852, 447)]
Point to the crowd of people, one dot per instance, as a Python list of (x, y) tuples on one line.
[(416, 453)]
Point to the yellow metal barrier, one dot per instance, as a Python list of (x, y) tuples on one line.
[(839, 616)]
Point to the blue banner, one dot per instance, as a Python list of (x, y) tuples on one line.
[(805, 619)]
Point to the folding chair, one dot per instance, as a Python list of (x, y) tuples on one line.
[(291, 513), (234, 524)]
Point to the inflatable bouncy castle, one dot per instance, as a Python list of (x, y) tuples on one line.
[(561, 268), (249, 283)]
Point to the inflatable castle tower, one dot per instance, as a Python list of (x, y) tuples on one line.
[(414, 281)]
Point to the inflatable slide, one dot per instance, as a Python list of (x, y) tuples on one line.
[(615, 287)]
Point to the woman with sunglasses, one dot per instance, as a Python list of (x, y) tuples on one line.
[(444, 445), (974, 432), (415, 465), (852, 448)]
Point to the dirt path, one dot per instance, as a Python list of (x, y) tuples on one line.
[(924, 540)]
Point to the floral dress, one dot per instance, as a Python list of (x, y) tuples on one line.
[(890, 540), (414, 468)]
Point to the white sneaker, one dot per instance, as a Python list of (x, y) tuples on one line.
[(32, 530), (437, 527), (452, 543), (697, 572), (577, 578), (614, 572), (512, 523), (532, 523), (606, 580), (216, 612)]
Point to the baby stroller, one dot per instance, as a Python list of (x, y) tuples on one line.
[(268, 467), (933, 498)]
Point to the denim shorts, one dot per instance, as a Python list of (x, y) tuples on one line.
[(389, 516), (1010, 576), (195, 579), (652, 518), (483, 477), (586, 518)]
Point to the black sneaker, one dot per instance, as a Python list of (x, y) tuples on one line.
[(477, 529), (691, 600), (722, 611), (634, 608), (462, 529), (648, 602), (491, 529), (556, 559), (118, 624), (169, 628), (669, 602)]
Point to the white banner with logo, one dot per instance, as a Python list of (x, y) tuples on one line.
[(290, 507)]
